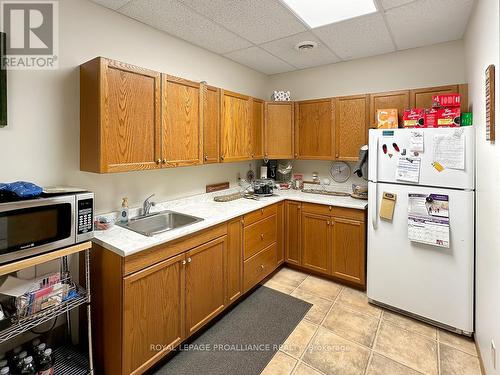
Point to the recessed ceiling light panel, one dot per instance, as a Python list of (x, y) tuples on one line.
[(317, 13)]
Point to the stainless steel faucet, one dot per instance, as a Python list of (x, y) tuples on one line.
[(146, 206)]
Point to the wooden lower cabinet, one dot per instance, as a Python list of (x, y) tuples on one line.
[(292, 232), (153, 316), (332, 242), (316, 242), (349, 250), (205, 283), (234, 278)]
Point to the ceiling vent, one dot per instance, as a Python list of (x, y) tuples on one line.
[(306, 45)]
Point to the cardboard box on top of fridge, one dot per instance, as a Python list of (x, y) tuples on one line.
[(446, 100), (413, 118), (448, 117), (387, 118), (431, 118)]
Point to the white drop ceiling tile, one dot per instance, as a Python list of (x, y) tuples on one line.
[(285, 49), (112, 4), (258, 59), (176, 19), (259, 21), (428, 22), (357, 37), (388, 4)]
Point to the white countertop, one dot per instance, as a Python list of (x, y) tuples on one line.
[(125, 242)]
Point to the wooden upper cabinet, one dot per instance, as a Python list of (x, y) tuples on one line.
[(182, 122), (349, 250), (279, 130), (119, 117), (422, 98), (153, 313), (235, 133), (211, 121), (314, 129), (205, 283), (257, 129), (351, 123), (399, 100), (292, 232)]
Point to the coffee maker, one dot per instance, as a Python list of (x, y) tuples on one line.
[(272, 168)]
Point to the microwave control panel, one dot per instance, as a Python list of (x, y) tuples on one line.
[(85, 219)]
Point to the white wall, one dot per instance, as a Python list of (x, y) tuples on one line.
[(41, 142), (482, 49), (419, 67)]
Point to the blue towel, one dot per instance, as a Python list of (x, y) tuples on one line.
[(21, 189)]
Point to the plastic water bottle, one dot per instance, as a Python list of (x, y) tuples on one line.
[(28, 366), (20, 361), (46, 364), (5, 371)]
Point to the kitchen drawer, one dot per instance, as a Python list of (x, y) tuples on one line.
[(323, 209), (259, 266), (259, 235), (260, 214)]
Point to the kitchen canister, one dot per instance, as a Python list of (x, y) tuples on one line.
[(281, 96)]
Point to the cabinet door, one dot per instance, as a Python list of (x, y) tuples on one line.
[(205, 283), (280, 234), (257, 129), (235, 132), (399, 100), (292, 232), (153, 313), (351, 124), (422, 98), (314, 129), (234, 259), (316, 242), (211, 121), (130, 117), (349, 250), (181, 131), (279, 130)]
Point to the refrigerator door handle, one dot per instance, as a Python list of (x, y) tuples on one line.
[(373, 156), (373, 197)]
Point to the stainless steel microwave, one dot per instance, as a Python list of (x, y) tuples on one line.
[(44, 224)]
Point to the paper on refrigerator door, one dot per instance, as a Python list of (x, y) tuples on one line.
[(417, 141), (449, 149), (429, 219), (408, 169)]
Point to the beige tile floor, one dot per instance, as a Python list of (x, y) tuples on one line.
[(343, 334)]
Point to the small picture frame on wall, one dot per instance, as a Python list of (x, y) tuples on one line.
[(490, 103)]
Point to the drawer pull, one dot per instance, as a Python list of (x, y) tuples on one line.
[(262, 211), (330, 208), (183, 262), (262, 267), (262, 236), (189, 260)]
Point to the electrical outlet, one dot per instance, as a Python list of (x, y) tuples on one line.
[(494, 354)]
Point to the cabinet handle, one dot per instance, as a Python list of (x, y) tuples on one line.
[(296, 155), (327, 223), (262, 211), (242, 221), (206, 157), (262, 267), (183, 262), (222, 157), (189, 260), (262, 236), (330, 208), (158, 161), (164, 161)]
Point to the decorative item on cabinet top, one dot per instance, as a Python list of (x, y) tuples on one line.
[(281, 96)]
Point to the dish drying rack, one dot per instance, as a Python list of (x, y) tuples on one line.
[(76, 296)]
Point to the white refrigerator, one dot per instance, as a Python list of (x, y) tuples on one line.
[(429, 282)]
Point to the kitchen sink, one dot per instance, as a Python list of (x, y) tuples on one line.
[(159, 222)]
